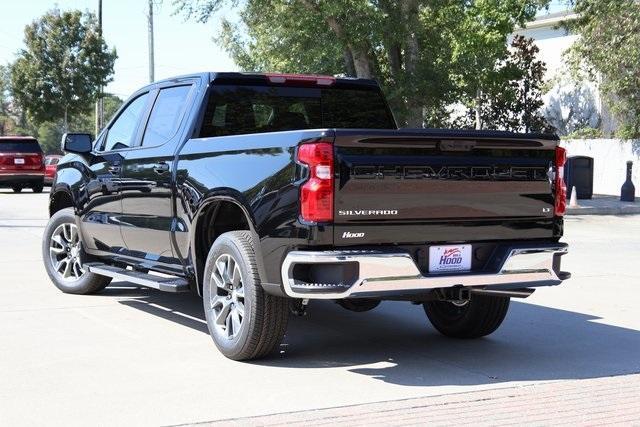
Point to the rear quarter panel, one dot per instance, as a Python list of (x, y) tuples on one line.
[(259, 172)]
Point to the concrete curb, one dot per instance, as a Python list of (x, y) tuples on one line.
[(604, 204), (623, 209)]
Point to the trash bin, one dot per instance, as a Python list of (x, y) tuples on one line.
[(578, 172)]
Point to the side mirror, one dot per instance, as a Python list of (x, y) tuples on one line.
[(76, 143)]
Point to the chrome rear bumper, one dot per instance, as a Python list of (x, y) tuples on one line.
[(380, 273)]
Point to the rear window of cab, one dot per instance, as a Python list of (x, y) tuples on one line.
[(246, 109)]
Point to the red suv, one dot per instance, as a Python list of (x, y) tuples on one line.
[(21, 163), (51, 167)]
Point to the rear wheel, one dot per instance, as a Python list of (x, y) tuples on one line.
[(479, 316), (244, 321), (16, 188), (61, 249), (37, 188)]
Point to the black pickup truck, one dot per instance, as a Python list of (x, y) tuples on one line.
[(260, 192)]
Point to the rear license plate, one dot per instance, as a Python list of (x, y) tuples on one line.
[(449, 258), (18, 161)]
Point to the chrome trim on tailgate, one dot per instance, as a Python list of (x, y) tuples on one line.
[(396, 272)]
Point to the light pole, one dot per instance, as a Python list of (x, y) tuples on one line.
[(99, 101), (151, 60)]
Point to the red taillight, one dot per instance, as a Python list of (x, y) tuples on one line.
[(301, 78), (316, 194), (559, 184), (35, 160)]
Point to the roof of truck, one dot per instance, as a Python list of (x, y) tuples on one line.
[(294, 79), (324, 80)]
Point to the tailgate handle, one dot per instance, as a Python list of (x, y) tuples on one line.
[(457, 145)]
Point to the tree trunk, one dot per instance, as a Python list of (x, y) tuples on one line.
[(362, 63), (348, 63), (411, 57), (527, 115), (414, 102), (409, 10), (360, 55), (65, 125), (478, 107), (395, 61)]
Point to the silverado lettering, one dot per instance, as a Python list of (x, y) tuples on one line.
[(368, 212)]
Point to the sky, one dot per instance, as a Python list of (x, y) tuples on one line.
[(180, 47)]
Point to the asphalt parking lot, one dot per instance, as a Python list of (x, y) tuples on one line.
[(137, 356)]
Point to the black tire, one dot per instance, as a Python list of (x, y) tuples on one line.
[(16, 188), (479, 317), (37, 188), (87, 282), (265, 318)]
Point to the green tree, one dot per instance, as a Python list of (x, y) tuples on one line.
[(65, 62), (512, 100), (479, 45), (608, 51), (5, 120), (50, 133), (425, 53), (527, 108)]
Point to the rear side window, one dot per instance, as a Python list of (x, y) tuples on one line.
[(17, 146), (233, 110), (166, 115)]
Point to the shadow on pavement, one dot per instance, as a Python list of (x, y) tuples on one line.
[(535, 343)]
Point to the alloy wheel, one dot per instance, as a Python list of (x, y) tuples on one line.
[(227, 298), (64, 252)]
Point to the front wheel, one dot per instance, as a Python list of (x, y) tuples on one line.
[(244, 321), (61, 249), (479, 316)]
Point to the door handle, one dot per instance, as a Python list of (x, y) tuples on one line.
[(114, 169), (161, 168)]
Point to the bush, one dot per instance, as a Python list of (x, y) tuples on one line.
[(584, 133)]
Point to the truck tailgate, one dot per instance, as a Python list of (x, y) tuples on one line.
[(429, 186)]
